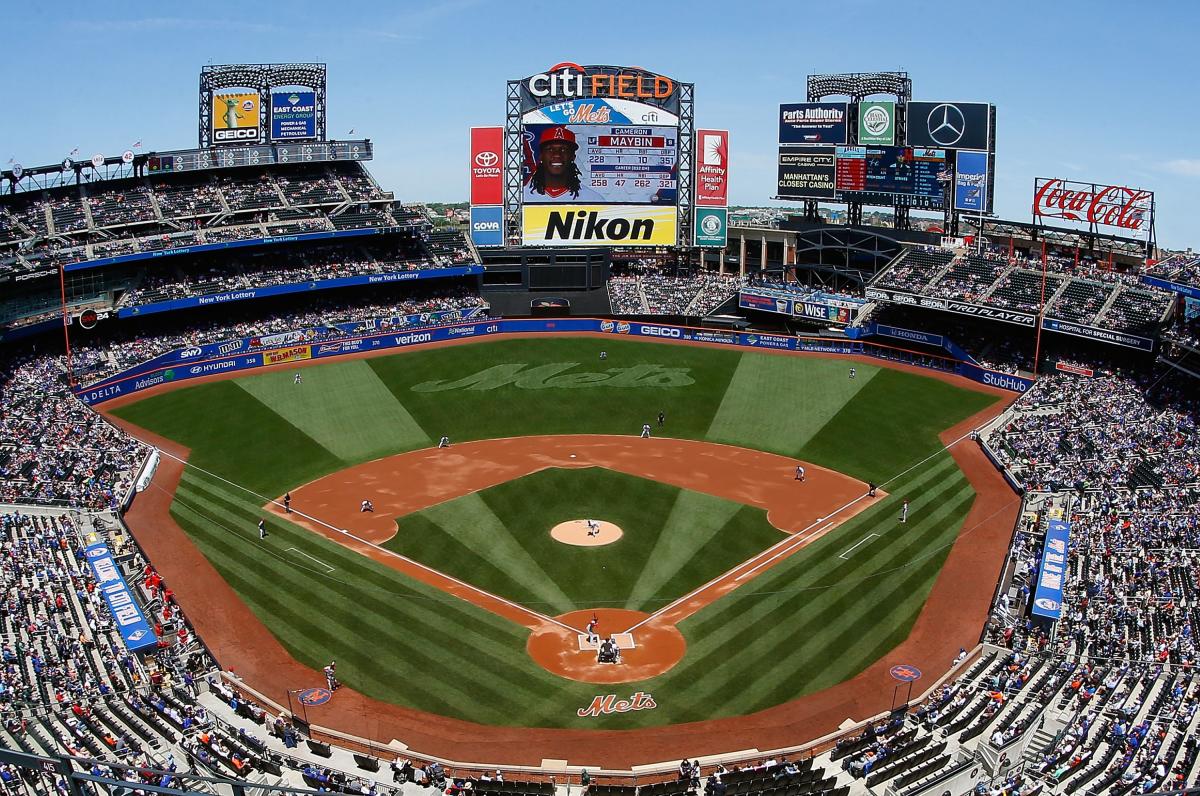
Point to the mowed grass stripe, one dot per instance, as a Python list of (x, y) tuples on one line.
[(740, 645), (343, 406), (890, 425), (232, 433), (779, 403), (346, 610), (860, 607), (469, 521), (686, 383), (363, 571), (694, 520), (818, 563)]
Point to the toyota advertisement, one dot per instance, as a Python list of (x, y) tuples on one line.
[(952, 125), (487, 165)]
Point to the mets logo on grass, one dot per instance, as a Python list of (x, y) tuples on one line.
[(608, 704), (598, 225)]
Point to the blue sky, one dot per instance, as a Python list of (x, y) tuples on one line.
[(1092, 91)]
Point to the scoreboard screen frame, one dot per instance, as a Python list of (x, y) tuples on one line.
[(615, 151)]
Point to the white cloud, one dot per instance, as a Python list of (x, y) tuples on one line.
[(1187, 167)]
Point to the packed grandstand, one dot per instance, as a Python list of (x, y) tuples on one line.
[(1104, 700)]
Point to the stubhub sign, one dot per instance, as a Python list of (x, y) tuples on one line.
[(487, 226)]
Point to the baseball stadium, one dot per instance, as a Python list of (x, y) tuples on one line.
[(596, 483)]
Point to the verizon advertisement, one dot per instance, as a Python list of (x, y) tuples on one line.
[(487, 165), (1113, 206), (712, 173)]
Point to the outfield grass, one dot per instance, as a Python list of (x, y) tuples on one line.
[(499, 539), (808, 623)]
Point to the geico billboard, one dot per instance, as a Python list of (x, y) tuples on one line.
[(598, 225), (235, 117)]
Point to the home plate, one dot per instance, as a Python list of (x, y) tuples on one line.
[(624, 641)]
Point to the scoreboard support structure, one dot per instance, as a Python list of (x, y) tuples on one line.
[(261, 78), (858, 86)]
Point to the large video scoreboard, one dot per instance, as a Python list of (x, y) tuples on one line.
[(616, 164)]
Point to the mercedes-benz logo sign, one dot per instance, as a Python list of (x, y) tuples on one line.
[(486, 159), (946, 124)]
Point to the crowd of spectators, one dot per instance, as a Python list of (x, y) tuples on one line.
[(142, 212), (1081, 291), (1181, 267), (654, 293), (98, 361), (239, 272), (1111, 431), (53, 449)]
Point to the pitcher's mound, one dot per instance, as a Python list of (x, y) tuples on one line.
[(578, 533)]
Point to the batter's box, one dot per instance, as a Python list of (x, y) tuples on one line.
[(624, 641)]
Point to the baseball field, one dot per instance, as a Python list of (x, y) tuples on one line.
[(739, 587)]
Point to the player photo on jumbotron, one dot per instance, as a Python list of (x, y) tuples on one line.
[(597, 164)]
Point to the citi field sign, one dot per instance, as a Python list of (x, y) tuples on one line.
[(570, 81)]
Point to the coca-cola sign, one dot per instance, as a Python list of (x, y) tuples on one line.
[(1088, 203)]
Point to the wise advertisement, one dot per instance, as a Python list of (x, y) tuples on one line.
[(598, 225), (877, 123), (235, 117), (487, 165), (293, 115), (712, 170), (711, 227), (293, 354)]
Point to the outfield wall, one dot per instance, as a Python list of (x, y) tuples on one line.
[(152, 374)]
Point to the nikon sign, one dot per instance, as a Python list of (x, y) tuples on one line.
[(598, 225)]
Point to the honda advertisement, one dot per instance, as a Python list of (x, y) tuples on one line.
[(971, 182), (487, 165), (950, 125), (712, 173)]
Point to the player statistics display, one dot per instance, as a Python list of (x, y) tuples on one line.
[(600, 164), (890, 170)]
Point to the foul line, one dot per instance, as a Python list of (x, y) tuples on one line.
[(789, 544), (359, 539), (306, 555), (857, 544)]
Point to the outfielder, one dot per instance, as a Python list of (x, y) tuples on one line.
[(904, 512), (297, 379)]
